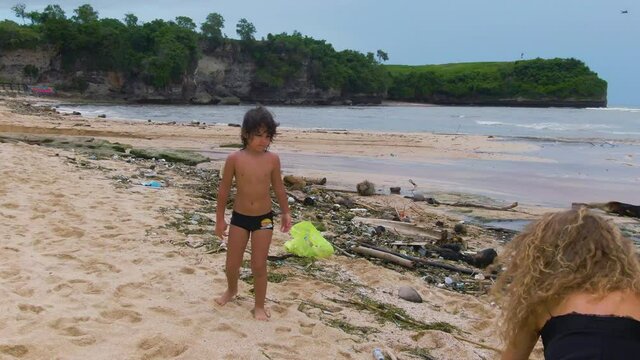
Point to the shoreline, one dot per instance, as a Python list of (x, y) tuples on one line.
[(461, 161)]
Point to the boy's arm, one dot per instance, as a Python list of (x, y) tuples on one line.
[(224, 187), (281, 195)]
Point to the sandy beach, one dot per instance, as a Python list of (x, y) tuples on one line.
[(90, 269)]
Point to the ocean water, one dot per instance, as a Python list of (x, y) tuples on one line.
[(593, 154), (591, 123)]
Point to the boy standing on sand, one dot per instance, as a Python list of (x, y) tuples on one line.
[(256, 171)]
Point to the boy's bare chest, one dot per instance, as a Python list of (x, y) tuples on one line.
[(253, 169)]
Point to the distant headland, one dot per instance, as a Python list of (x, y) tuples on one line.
[(172, 62)]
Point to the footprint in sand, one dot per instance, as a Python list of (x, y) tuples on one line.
[(24, 291), (11, 206), (224, 327), (67, 327), (122, 314), (84, 286), (7, 216), (17, 351), (67, 231), (30, 308), (279, 309), (93, 266), (64, 322), (187, 270), (72, 331), (41, 209), (6, 274), (283, 329), (164, 311), (306, 328), (63, 256), (160, 347), (84, 340), (287, 352), (171, 254)]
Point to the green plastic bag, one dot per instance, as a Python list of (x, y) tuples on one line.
[(308, 242)]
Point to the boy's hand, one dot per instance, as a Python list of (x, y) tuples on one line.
[(221, 229), (285, 225)]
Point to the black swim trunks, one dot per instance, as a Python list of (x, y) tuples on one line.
[(253, 223)]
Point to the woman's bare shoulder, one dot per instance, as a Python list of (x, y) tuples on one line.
[(620, 302)]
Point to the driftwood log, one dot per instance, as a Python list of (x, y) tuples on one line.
[(430, 200), (416, 261), (387, 256)]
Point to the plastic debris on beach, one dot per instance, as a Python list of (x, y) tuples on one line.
[(307, 241), (152, 184)]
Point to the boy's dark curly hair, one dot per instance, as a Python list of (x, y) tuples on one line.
[(255, 120)]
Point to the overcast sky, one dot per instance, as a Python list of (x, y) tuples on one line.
[(417, 32)]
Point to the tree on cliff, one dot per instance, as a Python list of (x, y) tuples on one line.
[(382, 56), (245, 30), (85, 14), (130, 20), (51, 12), (212, 29), (185, 23), (20, 10)]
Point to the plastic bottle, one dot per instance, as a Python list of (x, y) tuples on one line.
[(377, 354)]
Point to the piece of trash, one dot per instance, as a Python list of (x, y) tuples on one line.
[(448, 280), (359, 211), (377, 354), (307, 241), (291, 200), (153, 184), (478, 277)]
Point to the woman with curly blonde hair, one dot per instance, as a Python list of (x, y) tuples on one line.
[(574, 280)]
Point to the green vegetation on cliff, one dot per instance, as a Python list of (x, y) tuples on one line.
[(281, 58), (487, 82), (164, 52)]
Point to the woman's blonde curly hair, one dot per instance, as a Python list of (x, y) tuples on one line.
[(562, 253)]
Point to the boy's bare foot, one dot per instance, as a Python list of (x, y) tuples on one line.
[(261, 314), (225, 298)]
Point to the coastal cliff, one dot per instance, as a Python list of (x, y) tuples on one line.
[(228, 75)]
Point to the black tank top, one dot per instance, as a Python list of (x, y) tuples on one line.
[(580, 336)]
